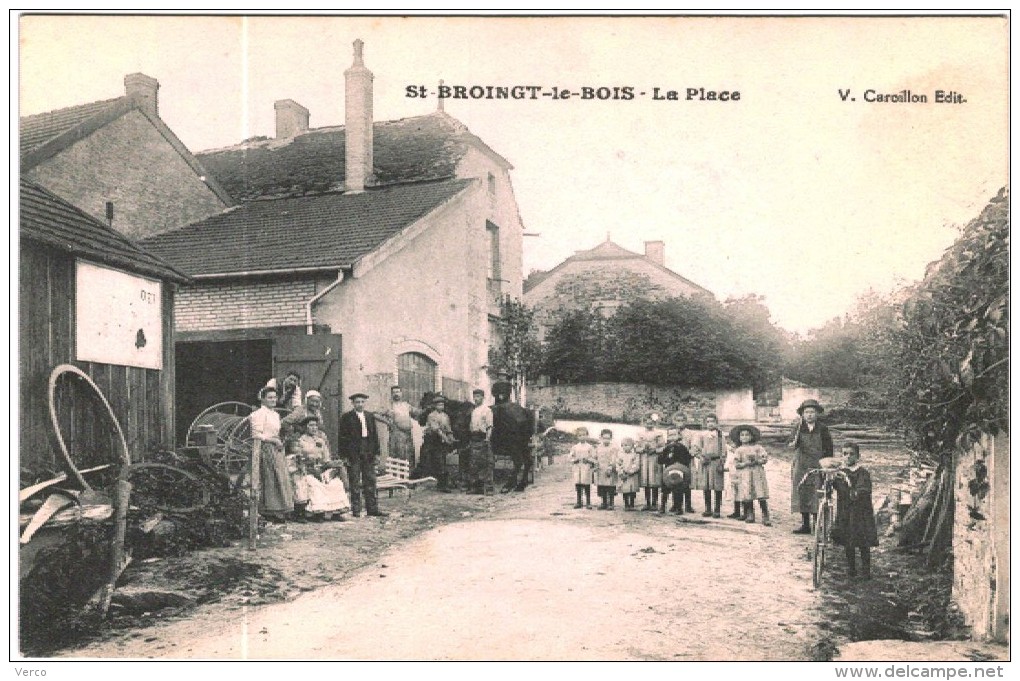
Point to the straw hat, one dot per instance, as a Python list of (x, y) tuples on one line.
[(675, 474), (735, 434)]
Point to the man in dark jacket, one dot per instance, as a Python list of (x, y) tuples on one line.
[(359, 445), (512, 428)]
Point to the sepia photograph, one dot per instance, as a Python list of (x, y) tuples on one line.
[(494, 338)]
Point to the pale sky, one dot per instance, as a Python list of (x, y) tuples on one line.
[(790, 192)]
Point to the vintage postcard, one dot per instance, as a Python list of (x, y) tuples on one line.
[(512, 338)]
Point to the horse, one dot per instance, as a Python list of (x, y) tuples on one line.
[(512, 428)]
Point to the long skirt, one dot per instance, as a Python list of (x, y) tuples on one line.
[(277, 489), (327, 495), (651, 471), (754, 485)]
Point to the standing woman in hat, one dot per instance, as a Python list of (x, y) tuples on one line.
[(813, 442), (277, 498), (750, 458)]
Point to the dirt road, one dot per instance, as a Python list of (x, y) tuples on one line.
[(538, 580)]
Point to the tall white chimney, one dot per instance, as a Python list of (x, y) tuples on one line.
[(144, 90), (358, 123), (291, 119), (656, 252)]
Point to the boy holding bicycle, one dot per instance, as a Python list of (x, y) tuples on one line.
[(855, 518), (813, 442)]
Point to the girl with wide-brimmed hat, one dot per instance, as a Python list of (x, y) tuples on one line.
[(750, 458)]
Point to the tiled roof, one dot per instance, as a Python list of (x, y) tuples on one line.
[(46, 218), (40, 128), (607, 250), (407, 150), (328, 230)]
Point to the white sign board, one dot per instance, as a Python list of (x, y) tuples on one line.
[(118, 318)]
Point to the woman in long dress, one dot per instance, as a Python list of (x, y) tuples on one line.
[(276, 500)]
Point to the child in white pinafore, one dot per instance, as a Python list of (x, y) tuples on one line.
[(630, 473), (650, 478), (750, 458), (582, 459), (607, 463)]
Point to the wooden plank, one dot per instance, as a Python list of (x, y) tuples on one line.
[(163, 401), (31, 416)]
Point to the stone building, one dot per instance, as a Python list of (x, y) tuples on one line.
[(604, 278), (398, 237), (119, 162)]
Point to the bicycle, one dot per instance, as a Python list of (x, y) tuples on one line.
[(824, 517)]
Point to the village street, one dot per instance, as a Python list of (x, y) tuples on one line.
[(538, 580)]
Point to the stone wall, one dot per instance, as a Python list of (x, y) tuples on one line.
[(981, 538), (627, 402)]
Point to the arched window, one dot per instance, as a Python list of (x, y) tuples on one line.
[(416, 375)]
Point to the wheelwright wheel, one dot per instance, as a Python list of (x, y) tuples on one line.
[(822, 522)]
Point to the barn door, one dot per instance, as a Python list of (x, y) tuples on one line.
[(316, 359), (416, 375)]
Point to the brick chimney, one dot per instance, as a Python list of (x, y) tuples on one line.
[(358, 123), (656, 252), (291, 119), (143, 89)]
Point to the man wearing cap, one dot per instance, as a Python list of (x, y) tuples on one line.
[(400, 417), (512, 428), (480, 453), (359, 445), (813, 442), (312, 407)]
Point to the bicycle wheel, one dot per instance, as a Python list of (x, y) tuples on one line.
[(822, 528)]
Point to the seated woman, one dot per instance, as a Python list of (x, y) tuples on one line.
[(325, 479)]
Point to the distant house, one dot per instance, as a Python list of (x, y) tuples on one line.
[(92, 298), (605, 278), (119, 162), (400, 237)]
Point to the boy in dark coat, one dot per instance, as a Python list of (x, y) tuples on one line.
[(675, 452), (855, 516)]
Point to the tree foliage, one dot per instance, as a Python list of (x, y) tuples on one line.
[(951, 353), (678, 341), (517, 355)]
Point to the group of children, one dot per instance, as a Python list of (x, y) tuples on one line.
[(672, 467)]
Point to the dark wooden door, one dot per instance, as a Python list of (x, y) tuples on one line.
[(316, 359), (416, 375)]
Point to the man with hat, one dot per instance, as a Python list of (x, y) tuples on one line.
[(289, 424), (813, 441), (359, 445), (437, 443), (512, 427)]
